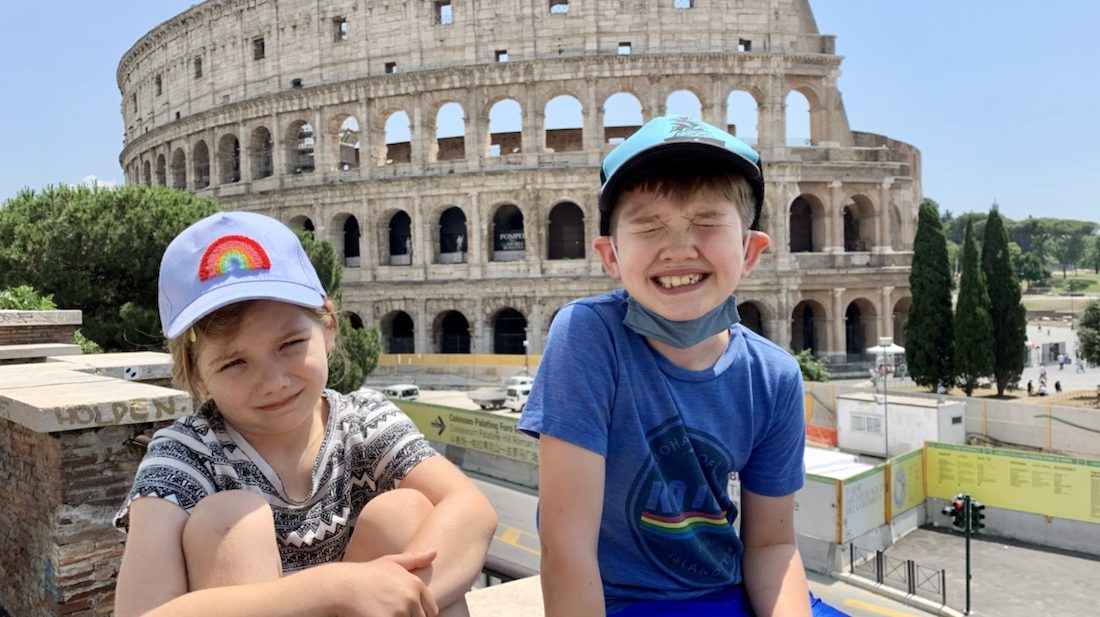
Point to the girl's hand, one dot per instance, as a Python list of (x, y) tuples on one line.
[(386, 587)]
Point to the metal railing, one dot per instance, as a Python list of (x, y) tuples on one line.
[(902, 574), (497, 570)]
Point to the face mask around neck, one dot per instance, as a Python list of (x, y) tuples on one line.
[(681, 334)]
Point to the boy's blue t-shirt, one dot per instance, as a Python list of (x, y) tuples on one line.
[(671, 437)]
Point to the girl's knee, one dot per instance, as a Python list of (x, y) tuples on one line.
[(229, 539), (387, 523)]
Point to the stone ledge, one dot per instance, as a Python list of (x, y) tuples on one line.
[(38, 351), (129, 366), (53, 397), (40, 318)]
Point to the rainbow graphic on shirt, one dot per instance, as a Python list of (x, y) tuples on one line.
[(232, 253), (685, 524)]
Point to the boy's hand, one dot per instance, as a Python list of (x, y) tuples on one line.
[(386, 587)]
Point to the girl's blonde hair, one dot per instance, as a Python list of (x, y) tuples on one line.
[(220, 325)]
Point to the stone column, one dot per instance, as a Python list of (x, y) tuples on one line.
[(476, 251), (886, 315), (837, 341), (278, 148), (882, 242), (534, 329), (422, 343), (782, 322), (419, 135), (322, 140), (834, 219), (592, 139)]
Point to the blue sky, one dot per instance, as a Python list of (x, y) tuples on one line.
[(999, 95)]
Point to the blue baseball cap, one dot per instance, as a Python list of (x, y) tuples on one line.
[(668, 139), (231, 257)]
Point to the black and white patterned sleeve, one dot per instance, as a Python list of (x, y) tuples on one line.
[(170, 470)]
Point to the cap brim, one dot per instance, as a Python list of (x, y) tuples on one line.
[(645, 161), (224, 295)]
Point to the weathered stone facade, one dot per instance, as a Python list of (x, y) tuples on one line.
[(465, 234)]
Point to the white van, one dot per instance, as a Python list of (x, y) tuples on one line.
[(519, 380), (515, 397), (402, 392)]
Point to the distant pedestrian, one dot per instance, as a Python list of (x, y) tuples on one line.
[(1030, 388), (1058, 387), (1080, 364), (1061, 361), (1042, 371)]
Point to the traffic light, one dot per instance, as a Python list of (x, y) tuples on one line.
[(957, 511), (976, 515)]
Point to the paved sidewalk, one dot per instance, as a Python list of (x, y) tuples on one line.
[(1010, 579)]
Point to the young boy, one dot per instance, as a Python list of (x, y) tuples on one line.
[(649, 397)]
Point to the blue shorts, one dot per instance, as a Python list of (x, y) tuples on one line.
[(729, 603)]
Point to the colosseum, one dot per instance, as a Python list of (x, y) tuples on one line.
[(450, 151)]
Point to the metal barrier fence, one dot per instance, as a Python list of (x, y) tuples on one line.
[(903, 574)]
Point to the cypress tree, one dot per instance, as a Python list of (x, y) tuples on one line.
[(929, 326), (973, 325), (1005, 308)]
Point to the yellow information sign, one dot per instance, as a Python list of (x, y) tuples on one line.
[(1050, 485), (475, 430), (905, 488)]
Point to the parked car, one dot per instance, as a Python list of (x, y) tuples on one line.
[(515, 397), (497, 398), (402, 392)]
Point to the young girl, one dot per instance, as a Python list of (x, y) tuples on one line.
[(279, 497)]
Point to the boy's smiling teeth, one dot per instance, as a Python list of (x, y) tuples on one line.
[(668, 282)]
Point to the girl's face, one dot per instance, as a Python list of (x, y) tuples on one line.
[(267, 379)]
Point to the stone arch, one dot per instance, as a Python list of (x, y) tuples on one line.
[(450, 133), (162, 170), (398, 332), (345, 238), (301, 221), (505, 127), (261, 149), (397, 144), (509, 332), (354, 319), (229, 159), (200, 165), (179, 170), (565, 232), (399, 239), (563, 124), (797, 121), (684, 102), (809, 327), (300, 145), (622, 115), (345, 128), (807, 224), (857, 217), (743, 115), (898, 315), (860, 328), (451, 332), (147, 173), (507, 234), (752, 317), (453, 236)]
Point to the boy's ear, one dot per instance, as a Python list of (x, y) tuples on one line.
[(603, 248), (758, 241)]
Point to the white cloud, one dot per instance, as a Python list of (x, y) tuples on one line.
[(93, 181)]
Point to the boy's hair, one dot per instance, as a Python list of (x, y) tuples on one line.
[(668, 147), (221, 325), (681, 181)]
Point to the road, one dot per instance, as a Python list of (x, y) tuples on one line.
[(517, 540)]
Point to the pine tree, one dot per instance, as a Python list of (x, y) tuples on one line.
[(1005, 308), (973, 325), (929, 326)]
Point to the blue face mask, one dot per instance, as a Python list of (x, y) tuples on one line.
[(681, 334)]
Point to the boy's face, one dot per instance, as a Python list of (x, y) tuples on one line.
[(679, 259), (267, 378)]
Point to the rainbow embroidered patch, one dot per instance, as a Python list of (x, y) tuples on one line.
[(229, 253), (684, 525)]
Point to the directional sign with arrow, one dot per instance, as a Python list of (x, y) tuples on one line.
[(438, 424)]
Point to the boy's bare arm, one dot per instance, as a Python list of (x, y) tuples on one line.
[(153, 580), (459, 528), (571, 486), (774, 576)]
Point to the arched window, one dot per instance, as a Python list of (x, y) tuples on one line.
[(742, 116), (450, 133), (508, 238), (801, 226), (347, 136), (300, 145), (397, 333), (566, 233), (564, 124), (505, 128), (454, 333), (262, 150), (622, 115), (147, 173), (804, 326), (859, 329), (452, 236), (179, 169), (751, 317), (798, 119), (229, 159), (398, 139), (684, 103), (400, 239), (162, 171), (509, 332), (201, 165), (351, 242)]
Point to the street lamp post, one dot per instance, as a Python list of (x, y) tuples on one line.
[(526, 368), (885, 343)]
